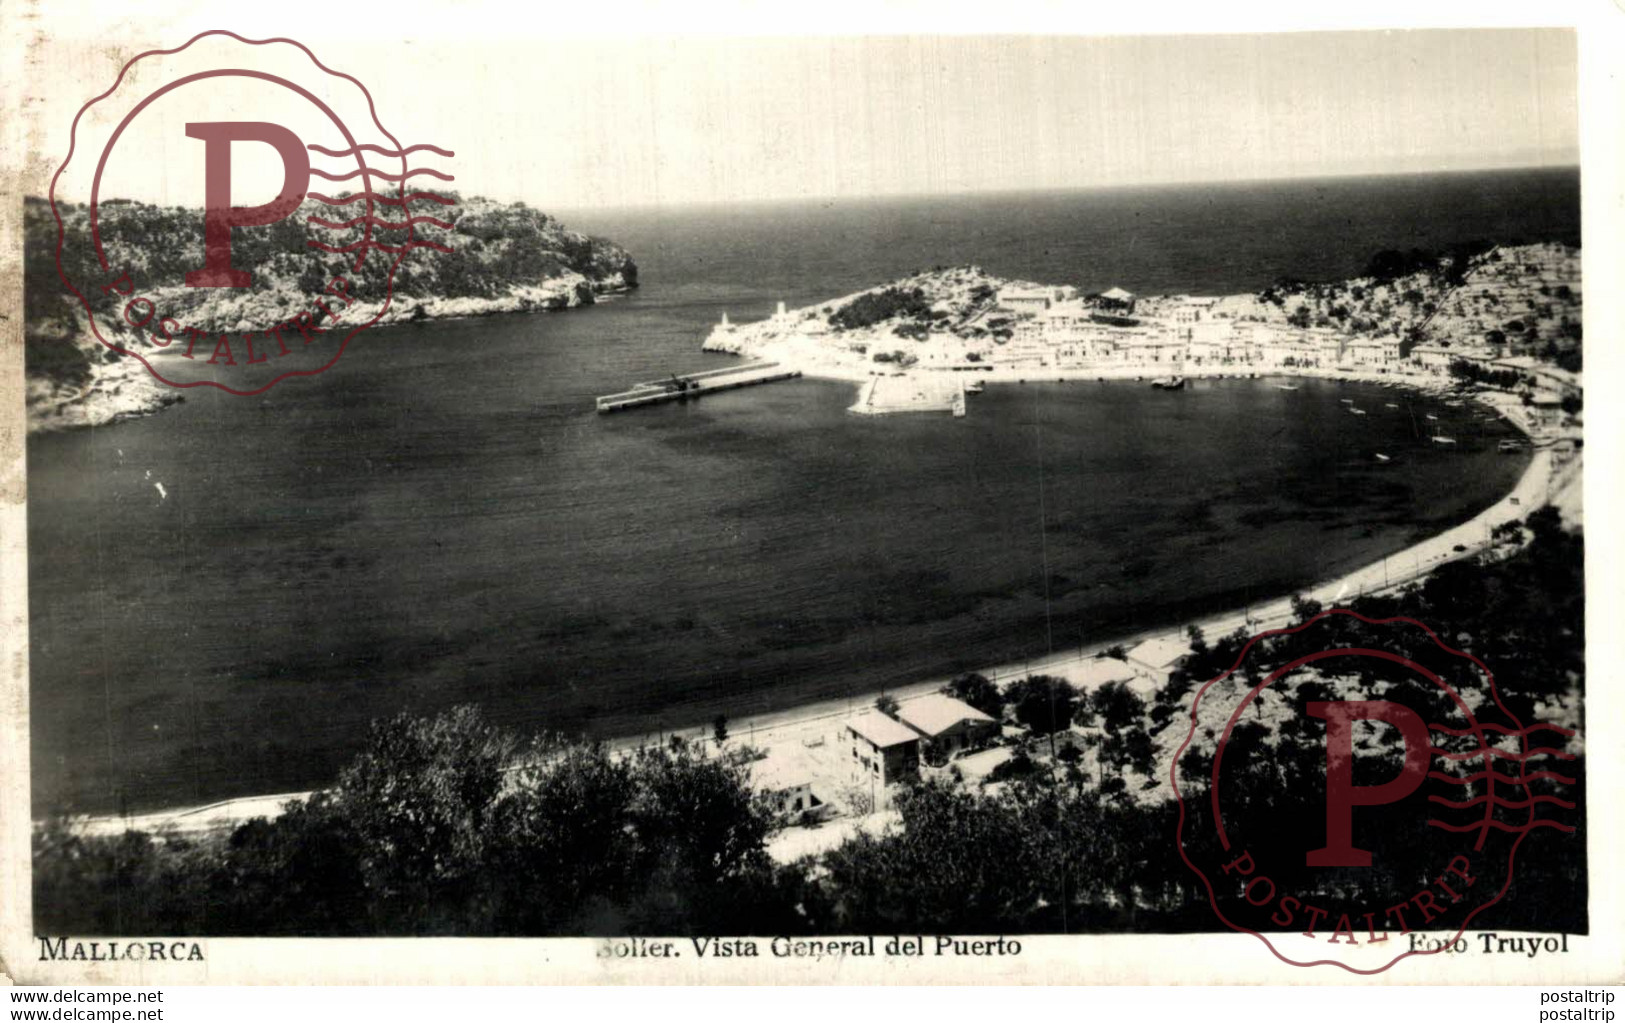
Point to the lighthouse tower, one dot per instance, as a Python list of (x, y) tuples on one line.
[(781, 313)]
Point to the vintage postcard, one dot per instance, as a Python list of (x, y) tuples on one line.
[(1017, 502)]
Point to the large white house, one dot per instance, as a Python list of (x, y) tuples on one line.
[(880, 752), (947, 725)]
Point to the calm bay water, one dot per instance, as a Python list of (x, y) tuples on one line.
[(442, 518)]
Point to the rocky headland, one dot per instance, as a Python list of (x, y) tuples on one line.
[(504, 258)]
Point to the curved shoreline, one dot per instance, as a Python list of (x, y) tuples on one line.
[(1542, 482)]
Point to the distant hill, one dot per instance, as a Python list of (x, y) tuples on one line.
[(507, 257), (1522, 299)]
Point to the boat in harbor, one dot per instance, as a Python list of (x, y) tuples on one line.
[(1383, 458), (976, 387), (1430, 415), (1440, 438), (1389, 404), (1346, 401), (1509, 446), (1357, 411), (1286, 387), (1169, 383)]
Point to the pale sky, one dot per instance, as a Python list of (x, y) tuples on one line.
[(570, 122)]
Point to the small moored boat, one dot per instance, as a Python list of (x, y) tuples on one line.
[(1169, 383)]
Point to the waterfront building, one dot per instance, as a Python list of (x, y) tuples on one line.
[(1544, 411), (1433, 356), (1142, 349), (1279, 350), (947, 725), (882, 752), (1325, 346), (1380, 353), (1026, 349), (1214, 342)]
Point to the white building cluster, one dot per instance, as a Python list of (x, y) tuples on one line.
[(1182, 332)]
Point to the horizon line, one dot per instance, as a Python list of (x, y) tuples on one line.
[(969, 193), (1572, 165)]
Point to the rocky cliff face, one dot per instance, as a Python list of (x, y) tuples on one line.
[(506, 257)]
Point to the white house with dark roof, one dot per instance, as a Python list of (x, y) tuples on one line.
[(946, 724)]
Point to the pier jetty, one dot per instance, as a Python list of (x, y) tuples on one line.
[(685, 386)]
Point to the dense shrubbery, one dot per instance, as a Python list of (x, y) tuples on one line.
[(875, 307), (429, 832), (1452, 262), (1042, 703), (495, 247), (978, 691)]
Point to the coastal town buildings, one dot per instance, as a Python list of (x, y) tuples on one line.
[(785, 780), (882, 752), (1117, 300), (1378, 353), (1100, 671), (1026, 301), (1513, 299), (1544, 411), (947, 725), (1433, 357), (1156, 658)]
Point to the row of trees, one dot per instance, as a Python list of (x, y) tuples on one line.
[(433, 829)]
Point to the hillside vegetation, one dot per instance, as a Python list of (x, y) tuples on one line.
[(506, 257)]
